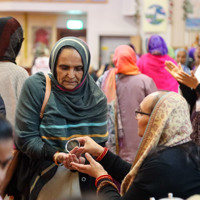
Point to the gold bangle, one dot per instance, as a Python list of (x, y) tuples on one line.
[(55, 158)]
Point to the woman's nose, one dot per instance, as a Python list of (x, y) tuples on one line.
[(71, 73)]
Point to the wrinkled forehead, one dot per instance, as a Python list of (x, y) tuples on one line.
[(73, 43)]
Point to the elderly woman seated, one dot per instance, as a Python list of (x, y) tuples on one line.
[(167, 160)]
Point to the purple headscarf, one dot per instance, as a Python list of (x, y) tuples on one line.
[(191, 52), (157, 45)]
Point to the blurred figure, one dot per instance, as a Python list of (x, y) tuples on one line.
[(181, 57), (93, 73), (153, 64), (107, 66), (41, 63), (12, 76), (6, 146), (125, 87), (191, 57), (197, 61), (133, 47)]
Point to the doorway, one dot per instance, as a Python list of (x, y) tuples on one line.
[(63, 32)]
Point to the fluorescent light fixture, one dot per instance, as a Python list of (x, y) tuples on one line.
[(75, 24), (75, 12)]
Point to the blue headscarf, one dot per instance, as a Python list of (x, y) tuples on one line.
[(185, 67)]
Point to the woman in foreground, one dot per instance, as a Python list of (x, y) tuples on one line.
[(167, 160)]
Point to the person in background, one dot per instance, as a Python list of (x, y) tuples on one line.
[(76, 107), (191, 57), (190, 86), (12, 76), (181, 57), (107, 66), (6, 146), (153, 64), (93, 73), (196, 67), (41, 63), (167, 160), (125, 87), (133, 47)]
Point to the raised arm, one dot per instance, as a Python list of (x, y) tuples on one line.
[(182, 77)]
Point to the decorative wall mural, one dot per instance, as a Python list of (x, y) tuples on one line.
[(155, 14)]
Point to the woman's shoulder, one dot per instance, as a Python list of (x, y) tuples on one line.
[(34, 80), (35, 85), (175, 154)]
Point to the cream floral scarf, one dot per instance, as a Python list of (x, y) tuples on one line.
[(169, 125)]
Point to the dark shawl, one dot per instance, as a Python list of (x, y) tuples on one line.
[(86, 103), (11, 38)]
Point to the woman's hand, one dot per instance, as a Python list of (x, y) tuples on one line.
[(173, 69), (73, 156), (181, 76), (94, 169), (90, 146)]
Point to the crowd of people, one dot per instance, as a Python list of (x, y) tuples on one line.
[(134, 126)]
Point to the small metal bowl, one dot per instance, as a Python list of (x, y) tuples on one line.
[(71, 144)]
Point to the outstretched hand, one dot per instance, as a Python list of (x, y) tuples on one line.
[(182, 77), (173, 69), (90, 146), (73, 156), (93, 169)]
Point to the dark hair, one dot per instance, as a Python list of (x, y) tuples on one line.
[(5, 128), (132, 46)]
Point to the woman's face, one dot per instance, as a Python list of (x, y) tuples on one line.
[(69, 68), (181, 57), (143, 119)]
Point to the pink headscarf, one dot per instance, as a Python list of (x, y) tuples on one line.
[(125, 60), (125, 63), (154, 67)]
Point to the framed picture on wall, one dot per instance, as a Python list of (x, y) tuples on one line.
[(41, 40), (192, 8), (155, 15)]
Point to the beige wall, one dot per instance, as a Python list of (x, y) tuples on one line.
[(180, 37), (110, 19)]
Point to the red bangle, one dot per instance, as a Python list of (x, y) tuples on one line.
[(100, 157), (102, 177)]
